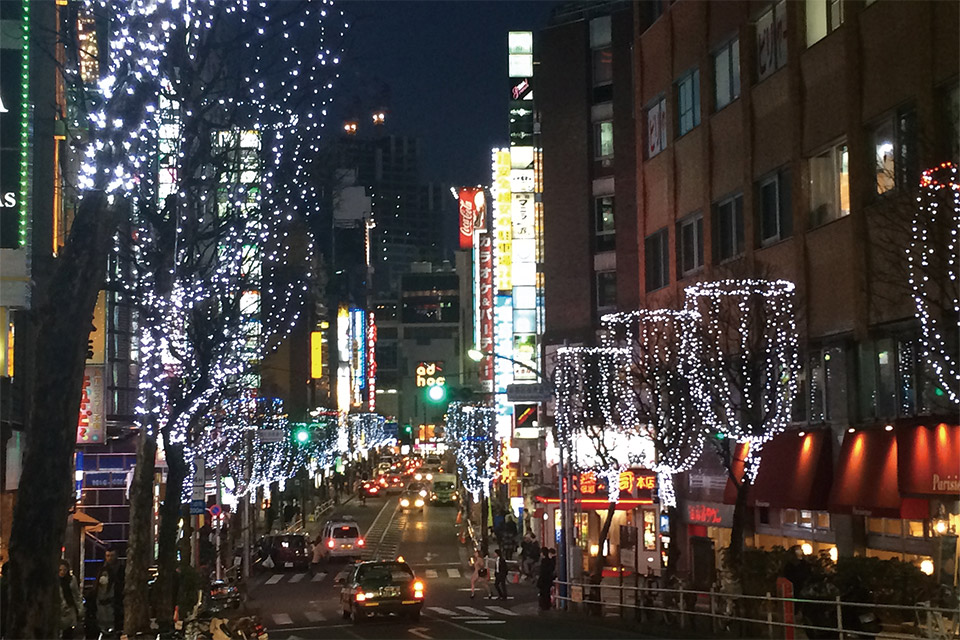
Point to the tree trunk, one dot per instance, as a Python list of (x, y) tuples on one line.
[(136, 604), (596, 569), (735, 554), (45, 491), (673, 553), (170, 515)]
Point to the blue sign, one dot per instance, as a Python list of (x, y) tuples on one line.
[(198, 507)]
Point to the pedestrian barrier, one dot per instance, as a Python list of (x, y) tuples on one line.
[(739, 615)]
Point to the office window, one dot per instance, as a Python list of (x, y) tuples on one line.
[(606, 289), (823, 16), (772, 40), (728, 228), (604, 228), (726, 74), (657, 260), (828, 384), (894, 143), (688, 101), (690, 238), (603, 139), (602, 66), (657, 127), (829, 185), (774, 208)]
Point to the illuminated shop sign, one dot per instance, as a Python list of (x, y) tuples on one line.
[(486, 310), (502, 221), (90, 427), (371, 362), (472, 213), (429, 374), (358, 354)]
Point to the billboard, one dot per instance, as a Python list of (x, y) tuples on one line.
[(90, 425), (486, 310), (371, 362), (473, 209)]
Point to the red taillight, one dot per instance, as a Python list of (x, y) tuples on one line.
[(360, 542), (330, 543)]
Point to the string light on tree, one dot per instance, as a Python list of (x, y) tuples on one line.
[(932, 261)]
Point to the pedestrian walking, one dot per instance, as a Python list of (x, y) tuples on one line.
[(109, 593), (71, 604), (480, 574), (500, 575), (548, 568)]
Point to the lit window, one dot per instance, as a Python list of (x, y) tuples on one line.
[(894, 144), (602, 66), (603, 141), (726, 68), (829, 185), (823, 16), (688, 101), (604, 223)]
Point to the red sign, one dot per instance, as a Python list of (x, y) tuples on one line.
[(703, 514), (90, 423), (472, 209), (785, 591), (485, 290), (927, 460)]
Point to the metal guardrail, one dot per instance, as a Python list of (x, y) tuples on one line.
[(730, 612)]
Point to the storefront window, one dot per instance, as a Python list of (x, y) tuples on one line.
[(649, 530), (823, 520), (915, 528), (790, 516), (806, 519), (582, 524)]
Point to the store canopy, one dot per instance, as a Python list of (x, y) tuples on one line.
[(865, 482), (796, 471), (932, 457)]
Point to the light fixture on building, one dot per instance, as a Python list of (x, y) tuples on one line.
[(350, 127), (889, 427), (833, 554), (379, 117), (939, 523), (851, 430), (594, 549), (807, 548), (927, 567)]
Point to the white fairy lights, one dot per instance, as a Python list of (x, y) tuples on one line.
[(745, 367), (470, 432), (932, 261), (653, 396)]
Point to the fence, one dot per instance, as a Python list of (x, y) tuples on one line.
[(698, 613)]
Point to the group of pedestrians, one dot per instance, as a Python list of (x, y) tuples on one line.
[(545, 575)]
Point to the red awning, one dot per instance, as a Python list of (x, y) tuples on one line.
[(929, 460), (795, 471), (865, 482), (598, 503)]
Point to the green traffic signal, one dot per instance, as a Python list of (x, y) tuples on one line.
[(436, 393), (407, 429), (302, 435)]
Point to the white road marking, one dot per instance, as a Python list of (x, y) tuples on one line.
[(501, 610), (419, 632), (473, 612), (441, 611), (298, 577), (275, 578), (430, 573), (453, 573), (314, 616), (486, 621), (317, 577), (282, 618)]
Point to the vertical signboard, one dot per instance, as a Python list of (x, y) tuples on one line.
[(486, 310), (14, 124), (90, 426), (502, 221), (472, 212), (316, 354), (371, 362)]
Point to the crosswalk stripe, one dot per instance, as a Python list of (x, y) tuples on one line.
[(441, 611), (298, 577), (282, 618), (501, 610), (314, 616), (317, 577), (430, 573), (474, 612), (453, 572), (275, 578)]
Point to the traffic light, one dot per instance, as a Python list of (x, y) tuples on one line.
[(301, 434), (436, 393)]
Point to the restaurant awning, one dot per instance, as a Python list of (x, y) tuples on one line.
[(929, 460), (593, 504), (795, 471), (865, 482)]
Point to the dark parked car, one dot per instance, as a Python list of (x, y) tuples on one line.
[(381, 588), (287, 550)]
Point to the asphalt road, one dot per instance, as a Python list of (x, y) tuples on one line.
[(305, 606)]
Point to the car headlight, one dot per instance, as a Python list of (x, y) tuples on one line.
[(419, 502), (404, 503), (429, 476), (418, 477), (423, 493)]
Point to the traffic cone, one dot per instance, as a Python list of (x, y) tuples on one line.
[(459, 516), (463, 535)]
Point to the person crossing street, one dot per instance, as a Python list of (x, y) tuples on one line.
[(500, 575)]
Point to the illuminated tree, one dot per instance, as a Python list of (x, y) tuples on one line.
[(933, 274), (654, 398), (470, 433), (225, 70), (743, 374)]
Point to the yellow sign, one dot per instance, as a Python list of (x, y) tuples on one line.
[(429, 374), (503, 222), (316, 354), (98, 333)]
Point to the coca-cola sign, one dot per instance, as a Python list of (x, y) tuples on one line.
[(472, 210)]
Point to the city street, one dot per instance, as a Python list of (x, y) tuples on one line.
[(305, 605)]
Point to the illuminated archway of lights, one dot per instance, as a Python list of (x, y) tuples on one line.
[(744, 368), (932, 260)]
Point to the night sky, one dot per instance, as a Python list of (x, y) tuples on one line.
[(441, 69)]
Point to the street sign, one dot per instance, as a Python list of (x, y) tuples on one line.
[(197, 507), (215, 510), (270, 435), (198, 479), (535, 392)]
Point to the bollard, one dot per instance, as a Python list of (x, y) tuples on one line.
[(769, 616), (839, 618)]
